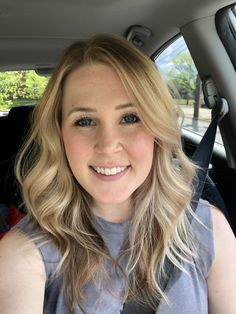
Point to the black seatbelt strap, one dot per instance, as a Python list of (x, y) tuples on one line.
[(203, 152), (201, 157)]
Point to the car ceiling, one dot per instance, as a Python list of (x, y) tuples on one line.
[(33, 33)]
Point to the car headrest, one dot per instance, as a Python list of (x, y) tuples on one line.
[(20, 116)]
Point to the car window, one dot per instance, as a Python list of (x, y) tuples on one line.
[(20, 88), (178, 70)]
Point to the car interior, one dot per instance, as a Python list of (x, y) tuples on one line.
[(33, 34)]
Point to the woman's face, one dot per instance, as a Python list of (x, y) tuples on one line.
[(108, 149)]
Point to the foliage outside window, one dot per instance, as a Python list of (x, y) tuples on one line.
[(20, 87), (178, 70), (182, 79)]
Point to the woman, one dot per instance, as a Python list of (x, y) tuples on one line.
[(107, 200)]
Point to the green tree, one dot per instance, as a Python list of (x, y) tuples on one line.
[(181, 76), (16, 86), (35, 85), (8, 87)]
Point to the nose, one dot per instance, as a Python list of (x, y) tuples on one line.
[(108, 142)]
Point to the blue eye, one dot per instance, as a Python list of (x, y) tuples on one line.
[(130, 118), (84, 122)]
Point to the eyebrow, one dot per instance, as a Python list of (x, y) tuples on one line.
[(89, 109)]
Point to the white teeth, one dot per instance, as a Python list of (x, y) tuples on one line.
[(109, 171), (114, 171)]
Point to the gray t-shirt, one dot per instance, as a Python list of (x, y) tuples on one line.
[(186, 292)]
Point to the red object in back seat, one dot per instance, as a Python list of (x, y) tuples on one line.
[(15, 215)]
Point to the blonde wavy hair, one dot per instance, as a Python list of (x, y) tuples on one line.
[(160, 227)]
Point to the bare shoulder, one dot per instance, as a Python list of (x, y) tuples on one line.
[(22, 275), (224, 239), (222, 279), (16, 244), (220, 223), (13, 239)]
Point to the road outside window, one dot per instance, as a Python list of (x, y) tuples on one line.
[(178, 70)]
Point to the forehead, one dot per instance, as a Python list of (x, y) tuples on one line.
[(95, 74), (94, 84)]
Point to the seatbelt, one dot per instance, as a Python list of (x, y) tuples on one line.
[(203, 153), (201, 157)]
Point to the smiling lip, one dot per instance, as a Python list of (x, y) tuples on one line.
[(109, 173)]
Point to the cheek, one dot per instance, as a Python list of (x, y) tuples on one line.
[(77, 150), (141, 148)]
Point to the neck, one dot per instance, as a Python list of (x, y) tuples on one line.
[(116, 213)]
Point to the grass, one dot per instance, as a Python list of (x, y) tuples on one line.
[(184, 102)]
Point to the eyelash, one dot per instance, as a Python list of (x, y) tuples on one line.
[(82, 120), (85, 122), (133, 115)]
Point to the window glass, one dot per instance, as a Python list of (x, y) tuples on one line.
[(20, 88), (178, 70)]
